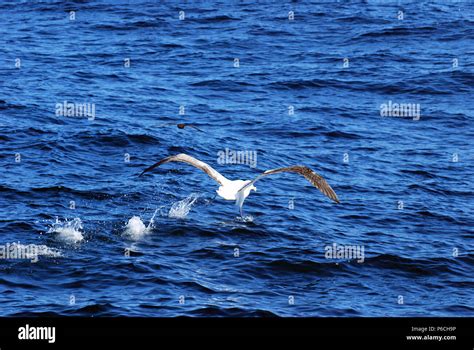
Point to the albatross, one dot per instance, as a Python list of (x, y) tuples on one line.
[(239, 190)]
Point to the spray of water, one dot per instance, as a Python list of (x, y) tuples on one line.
[(68, 231), (136, 228), (151, 224), (180, 209)]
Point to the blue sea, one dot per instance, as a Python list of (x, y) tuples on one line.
[(375, 96)]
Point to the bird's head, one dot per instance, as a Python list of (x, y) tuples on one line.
[(250, 188)]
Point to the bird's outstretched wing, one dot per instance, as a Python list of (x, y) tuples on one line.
[(194, 162), (315, 179)]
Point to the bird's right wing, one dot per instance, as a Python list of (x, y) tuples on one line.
[(315, 179), (184, 158)]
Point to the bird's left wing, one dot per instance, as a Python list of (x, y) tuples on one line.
[(184, 158)]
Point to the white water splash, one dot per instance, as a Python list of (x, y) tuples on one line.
[(136, 229), (180, 209), (68, 231)]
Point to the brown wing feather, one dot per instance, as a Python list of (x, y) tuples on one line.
[(150, 168), (316, 179)]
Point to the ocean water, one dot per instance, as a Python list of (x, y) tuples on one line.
[(316, 84)]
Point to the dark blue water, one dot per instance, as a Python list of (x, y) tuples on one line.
[(69, 184)]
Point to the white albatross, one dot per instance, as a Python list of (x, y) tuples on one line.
[(239, 190)]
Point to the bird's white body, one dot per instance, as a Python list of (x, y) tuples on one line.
[(230, 189)]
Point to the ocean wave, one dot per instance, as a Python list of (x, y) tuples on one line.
[(422, 173), (150, 24), (399, 31), (342, 135), (305, 266), (218, 311), (214, 19), (418, 86), (421, 267), (112, 138)]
